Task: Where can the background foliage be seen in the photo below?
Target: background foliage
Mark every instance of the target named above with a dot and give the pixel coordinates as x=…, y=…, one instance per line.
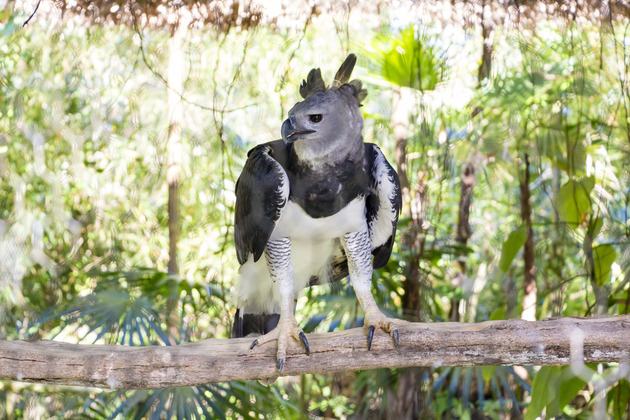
x=84, y=221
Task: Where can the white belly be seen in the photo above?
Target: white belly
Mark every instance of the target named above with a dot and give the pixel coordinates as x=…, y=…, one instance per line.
x=313, y=243
x=256, y=292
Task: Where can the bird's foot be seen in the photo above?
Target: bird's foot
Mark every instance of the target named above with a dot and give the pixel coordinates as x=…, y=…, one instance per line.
x=286, y=328
x=376, y=319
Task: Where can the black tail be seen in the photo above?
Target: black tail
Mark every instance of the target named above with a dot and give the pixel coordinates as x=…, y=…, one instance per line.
x=253, y=324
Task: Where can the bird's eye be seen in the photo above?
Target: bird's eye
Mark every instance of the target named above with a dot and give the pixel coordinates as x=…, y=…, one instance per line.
x=315, y=118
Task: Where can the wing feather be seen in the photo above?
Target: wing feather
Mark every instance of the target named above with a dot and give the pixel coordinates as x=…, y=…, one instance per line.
x=262, y=191
x=383, y=204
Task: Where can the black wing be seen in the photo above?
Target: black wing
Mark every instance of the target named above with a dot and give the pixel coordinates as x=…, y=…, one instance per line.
x=383, y=204
x=262, y=191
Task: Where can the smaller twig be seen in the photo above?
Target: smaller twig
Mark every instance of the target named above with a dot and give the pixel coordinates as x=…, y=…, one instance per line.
x=33, y=14
x=169, y=87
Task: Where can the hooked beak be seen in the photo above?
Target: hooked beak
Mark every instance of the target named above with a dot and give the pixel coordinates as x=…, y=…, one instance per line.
x=290, y=133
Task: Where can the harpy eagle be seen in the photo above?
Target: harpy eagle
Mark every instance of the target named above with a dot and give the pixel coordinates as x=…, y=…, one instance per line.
x=312, y=208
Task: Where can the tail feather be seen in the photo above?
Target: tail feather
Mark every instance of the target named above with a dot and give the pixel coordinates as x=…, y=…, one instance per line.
x=258, y=324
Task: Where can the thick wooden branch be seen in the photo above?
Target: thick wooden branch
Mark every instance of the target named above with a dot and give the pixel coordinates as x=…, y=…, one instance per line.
x=558, y=341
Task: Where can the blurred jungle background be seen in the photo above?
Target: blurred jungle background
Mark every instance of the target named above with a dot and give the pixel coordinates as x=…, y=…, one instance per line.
x=124, y=126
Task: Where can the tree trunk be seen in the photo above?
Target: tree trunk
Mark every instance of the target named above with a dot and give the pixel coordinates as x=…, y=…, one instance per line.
x=468, y=180
x=406, y=396
x=174, y=143
x=487, y=29
x=411, y=208
x=601, y=293
x=400, y=124
x=404, y=404
x=529, y=294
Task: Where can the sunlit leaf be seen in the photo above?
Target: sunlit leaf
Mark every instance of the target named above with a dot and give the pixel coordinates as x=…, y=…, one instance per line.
x=595, y=226
x=514, y=242
x=574, y=203
x=408, y=60
x=569, y=388
x=552, y=389
x=603, y=257
x=544, y=390
x=497, y=314
x=488, y=371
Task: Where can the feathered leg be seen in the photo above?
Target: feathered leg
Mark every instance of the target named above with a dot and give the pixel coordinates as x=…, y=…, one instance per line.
x=358, y=246
x=278, y=255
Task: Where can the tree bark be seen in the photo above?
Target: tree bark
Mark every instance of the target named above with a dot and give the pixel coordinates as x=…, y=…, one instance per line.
x=529, y=286
x=557, y=341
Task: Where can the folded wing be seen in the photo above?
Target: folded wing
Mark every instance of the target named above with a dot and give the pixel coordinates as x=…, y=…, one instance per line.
x=262, y=191
x=383, y=204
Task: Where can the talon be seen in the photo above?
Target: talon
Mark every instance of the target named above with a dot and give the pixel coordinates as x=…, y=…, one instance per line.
x=305, y=343
x=370, y=336
x=396, y=338
x=280, y=365
x=253, y=344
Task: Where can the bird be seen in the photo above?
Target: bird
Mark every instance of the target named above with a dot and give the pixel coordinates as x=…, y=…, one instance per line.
x=312, y=208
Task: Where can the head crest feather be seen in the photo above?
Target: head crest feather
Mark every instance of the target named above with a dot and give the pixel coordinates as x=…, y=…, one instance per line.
x=314, y=82
x=345, y=71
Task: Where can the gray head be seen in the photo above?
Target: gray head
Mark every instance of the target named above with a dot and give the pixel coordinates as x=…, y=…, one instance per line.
x=326, y=126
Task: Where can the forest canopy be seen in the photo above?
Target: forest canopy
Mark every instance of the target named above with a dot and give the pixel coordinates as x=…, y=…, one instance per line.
x=125, y=124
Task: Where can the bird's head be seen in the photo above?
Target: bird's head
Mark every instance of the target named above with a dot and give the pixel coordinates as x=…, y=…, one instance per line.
x=327, y=124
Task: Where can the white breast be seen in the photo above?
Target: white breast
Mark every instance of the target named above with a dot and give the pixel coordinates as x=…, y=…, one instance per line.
x=295, y=223
x=313, y=243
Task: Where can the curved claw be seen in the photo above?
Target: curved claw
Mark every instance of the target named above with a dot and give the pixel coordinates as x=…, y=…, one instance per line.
x=395, y=334
x=253, y=344
x=370, y=336
x=280, y=365
x=305, y=342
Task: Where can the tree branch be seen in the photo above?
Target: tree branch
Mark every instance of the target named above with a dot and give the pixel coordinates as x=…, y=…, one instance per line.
x=511, y=342
x=32, y=14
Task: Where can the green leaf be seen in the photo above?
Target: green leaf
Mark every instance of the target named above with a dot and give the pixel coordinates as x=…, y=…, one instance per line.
x=11, y=26
x=498, y=313
x=552, y=389
x=595, y=226
x=603, y=257
x=410, y=62
x=487, y=372
x=618, y=398
x=515, y=241
x=544, y=389
x=588, y=183
x=574, y=203
x=568, y=388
